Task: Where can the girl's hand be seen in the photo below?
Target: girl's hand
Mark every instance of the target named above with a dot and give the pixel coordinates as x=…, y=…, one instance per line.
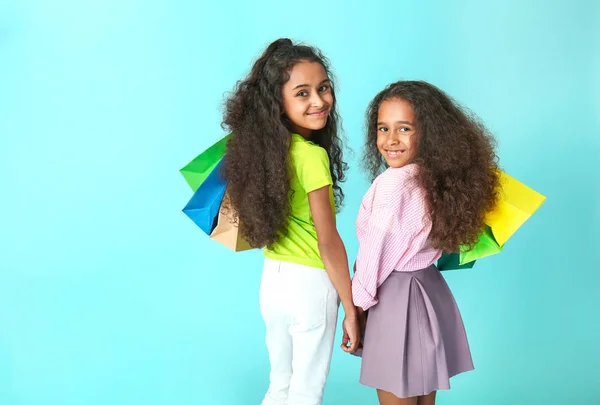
x=351, y=337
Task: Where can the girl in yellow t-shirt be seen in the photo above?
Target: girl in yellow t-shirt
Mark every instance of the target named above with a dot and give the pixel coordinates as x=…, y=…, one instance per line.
x=283, y=168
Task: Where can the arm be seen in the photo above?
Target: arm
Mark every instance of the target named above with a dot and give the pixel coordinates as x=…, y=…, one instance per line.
x=373, y=263
x=392, y=235
x=316, y=181
x=331, y=247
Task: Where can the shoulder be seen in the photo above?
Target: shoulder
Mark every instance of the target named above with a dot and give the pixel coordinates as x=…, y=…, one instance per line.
x=307, y=148
x=304, y=152
x=397, y=181
x=398, y=189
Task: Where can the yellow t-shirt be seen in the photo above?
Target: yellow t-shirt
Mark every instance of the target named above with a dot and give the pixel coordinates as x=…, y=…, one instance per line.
x=310, y=172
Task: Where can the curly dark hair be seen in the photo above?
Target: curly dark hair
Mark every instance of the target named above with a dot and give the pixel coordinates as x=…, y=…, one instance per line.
x=455, y=153
x=257, y=163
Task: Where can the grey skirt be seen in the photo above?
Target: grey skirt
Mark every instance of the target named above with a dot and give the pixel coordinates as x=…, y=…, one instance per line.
x=415, y=339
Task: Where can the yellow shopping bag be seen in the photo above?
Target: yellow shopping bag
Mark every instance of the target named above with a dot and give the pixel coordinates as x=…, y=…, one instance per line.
x=516, y=204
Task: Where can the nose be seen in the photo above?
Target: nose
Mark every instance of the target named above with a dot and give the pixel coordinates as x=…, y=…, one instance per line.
x=393, y=138
x=316, y=100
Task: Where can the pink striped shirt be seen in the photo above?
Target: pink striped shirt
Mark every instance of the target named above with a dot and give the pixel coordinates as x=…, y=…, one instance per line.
x=393, y=228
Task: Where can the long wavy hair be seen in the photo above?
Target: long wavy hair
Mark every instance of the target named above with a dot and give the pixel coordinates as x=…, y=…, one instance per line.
x=257, y=163
x=455, y=153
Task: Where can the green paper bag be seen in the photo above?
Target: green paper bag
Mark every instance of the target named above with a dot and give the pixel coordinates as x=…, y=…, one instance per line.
x=198, y=169
x=451, y=261
x=486, y=246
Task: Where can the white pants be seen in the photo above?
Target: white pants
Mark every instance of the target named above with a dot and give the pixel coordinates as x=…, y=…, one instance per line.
x=300, y=306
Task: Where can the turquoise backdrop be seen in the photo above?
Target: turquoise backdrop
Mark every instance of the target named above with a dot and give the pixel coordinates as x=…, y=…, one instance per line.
x=109, y=294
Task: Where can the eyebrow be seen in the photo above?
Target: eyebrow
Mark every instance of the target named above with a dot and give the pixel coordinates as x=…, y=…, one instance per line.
x=397, y=122
x=306, y=85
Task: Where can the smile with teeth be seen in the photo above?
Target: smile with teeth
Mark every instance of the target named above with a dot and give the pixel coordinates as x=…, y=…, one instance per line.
x=394, y=153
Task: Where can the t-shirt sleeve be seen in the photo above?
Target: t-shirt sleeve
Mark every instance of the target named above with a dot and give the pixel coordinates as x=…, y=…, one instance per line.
x=312, y=168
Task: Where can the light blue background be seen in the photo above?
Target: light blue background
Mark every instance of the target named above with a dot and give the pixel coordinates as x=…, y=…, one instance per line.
x=110, y=295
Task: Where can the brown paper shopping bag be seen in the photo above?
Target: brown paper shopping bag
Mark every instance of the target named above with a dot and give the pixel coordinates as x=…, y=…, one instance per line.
x=227, y=231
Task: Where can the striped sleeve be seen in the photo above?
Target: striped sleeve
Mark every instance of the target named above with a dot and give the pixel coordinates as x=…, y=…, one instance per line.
x=394, y=235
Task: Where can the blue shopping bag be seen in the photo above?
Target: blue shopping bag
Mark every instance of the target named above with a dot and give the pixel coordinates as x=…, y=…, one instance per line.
x=203, y=208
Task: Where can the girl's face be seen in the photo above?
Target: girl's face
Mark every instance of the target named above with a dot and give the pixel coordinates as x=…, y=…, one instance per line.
x=396, y=138
x=307, y=98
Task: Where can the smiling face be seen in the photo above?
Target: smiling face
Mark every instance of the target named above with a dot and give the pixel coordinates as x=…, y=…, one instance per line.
x=307, y=98
x=396, y=138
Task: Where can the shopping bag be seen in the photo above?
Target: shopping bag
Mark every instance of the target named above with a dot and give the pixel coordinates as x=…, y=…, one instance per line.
x=227, y=231
x=451, y=261
x=204, y=206
x=516, y=204
x=198, y=170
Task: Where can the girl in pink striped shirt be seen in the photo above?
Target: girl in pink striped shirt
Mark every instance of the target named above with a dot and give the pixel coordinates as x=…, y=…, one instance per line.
x=439, y=182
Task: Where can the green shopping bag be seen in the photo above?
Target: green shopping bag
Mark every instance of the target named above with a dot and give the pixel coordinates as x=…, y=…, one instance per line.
x=198, y=169
x=451, y=261
x=486, y=246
